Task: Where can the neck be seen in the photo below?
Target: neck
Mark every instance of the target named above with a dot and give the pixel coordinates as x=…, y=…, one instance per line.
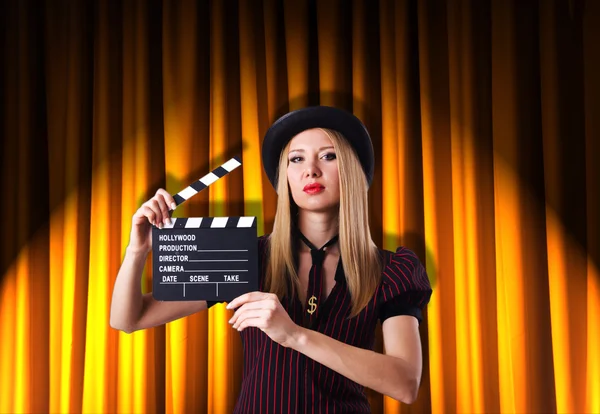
x=318, y=227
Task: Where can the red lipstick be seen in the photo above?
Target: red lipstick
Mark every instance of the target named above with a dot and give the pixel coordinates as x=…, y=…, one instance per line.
x=313, y=188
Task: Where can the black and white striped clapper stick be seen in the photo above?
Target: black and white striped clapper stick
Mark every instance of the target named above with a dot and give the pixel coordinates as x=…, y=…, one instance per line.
x=205, y=258
x=207, y=180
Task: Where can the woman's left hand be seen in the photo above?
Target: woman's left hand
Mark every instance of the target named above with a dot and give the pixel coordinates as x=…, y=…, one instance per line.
x=263, y=311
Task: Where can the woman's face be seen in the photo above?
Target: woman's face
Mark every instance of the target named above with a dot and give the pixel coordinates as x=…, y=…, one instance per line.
x=312, y=171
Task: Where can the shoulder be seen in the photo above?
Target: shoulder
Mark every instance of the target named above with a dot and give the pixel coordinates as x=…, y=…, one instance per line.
x=403, y=272
x=263, y=242
x=402, y=259
x=263, y=248
x=404, y=288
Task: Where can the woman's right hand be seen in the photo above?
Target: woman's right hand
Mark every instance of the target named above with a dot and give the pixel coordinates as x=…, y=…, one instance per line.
x=153, y=212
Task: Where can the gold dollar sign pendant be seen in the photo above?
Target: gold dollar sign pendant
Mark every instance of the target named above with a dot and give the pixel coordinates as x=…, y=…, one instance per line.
x=313, y=305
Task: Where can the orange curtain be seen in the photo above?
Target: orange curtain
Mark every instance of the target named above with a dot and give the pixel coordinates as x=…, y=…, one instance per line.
x=485, y=117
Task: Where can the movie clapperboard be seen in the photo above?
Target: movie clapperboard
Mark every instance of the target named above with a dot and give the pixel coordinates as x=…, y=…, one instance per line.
x=205, y=258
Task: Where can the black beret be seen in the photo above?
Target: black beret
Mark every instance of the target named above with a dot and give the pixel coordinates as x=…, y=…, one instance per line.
x=293, y=123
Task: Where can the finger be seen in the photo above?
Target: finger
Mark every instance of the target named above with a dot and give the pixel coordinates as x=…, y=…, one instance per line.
x=247, y=297
x=140, y=214
x=252, y=322
x=164, y=209
x=251, y=314
x=147, y=212
x=240, y=300
x=261, y=304
x=168, y=198
x=155, y=206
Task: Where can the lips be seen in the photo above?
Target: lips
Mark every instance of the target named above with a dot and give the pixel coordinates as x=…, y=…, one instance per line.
x=313, y=188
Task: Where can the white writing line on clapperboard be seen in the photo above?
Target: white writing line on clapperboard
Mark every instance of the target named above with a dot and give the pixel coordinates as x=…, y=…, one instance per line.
x=223, y=260
x=217, y=270
x=242, y=250
x=181, y=269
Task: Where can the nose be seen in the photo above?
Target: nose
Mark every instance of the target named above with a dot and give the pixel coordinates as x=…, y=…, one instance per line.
x=312, y=170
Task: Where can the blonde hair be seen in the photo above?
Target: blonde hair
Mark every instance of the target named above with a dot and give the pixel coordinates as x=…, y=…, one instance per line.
x=359, y=254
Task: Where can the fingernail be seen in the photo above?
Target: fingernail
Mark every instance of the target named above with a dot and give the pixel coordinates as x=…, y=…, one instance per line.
x=168, y=220
x=160, y=225
x=228, y=306
x=173, y=206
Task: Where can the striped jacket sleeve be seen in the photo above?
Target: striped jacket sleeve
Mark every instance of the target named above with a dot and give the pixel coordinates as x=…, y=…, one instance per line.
x=405, y=287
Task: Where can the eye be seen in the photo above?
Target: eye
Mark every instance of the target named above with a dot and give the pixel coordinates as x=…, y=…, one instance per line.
x=329, y=156
x=295, y=159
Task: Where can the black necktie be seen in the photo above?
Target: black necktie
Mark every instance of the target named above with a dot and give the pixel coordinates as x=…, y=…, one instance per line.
x=315, y=283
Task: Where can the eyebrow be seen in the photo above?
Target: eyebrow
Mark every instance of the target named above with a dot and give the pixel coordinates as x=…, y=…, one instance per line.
x=301, y=150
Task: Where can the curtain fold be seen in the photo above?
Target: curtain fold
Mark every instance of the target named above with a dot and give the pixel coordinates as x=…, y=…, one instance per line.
x=485, y=123
x=591, y=66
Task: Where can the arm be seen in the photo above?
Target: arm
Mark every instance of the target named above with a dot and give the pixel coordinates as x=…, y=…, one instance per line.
x=130, y=310
x=396, y=373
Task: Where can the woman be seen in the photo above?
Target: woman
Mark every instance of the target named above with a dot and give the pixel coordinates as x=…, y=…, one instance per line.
x=309, y=330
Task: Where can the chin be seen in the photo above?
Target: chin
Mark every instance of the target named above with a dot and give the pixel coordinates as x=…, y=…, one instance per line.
x=315, y=203
x=319, y=207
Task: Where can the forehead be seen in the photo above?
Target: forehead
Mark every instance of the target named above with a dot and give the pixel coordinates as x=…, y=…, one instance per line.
x=311, y=138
